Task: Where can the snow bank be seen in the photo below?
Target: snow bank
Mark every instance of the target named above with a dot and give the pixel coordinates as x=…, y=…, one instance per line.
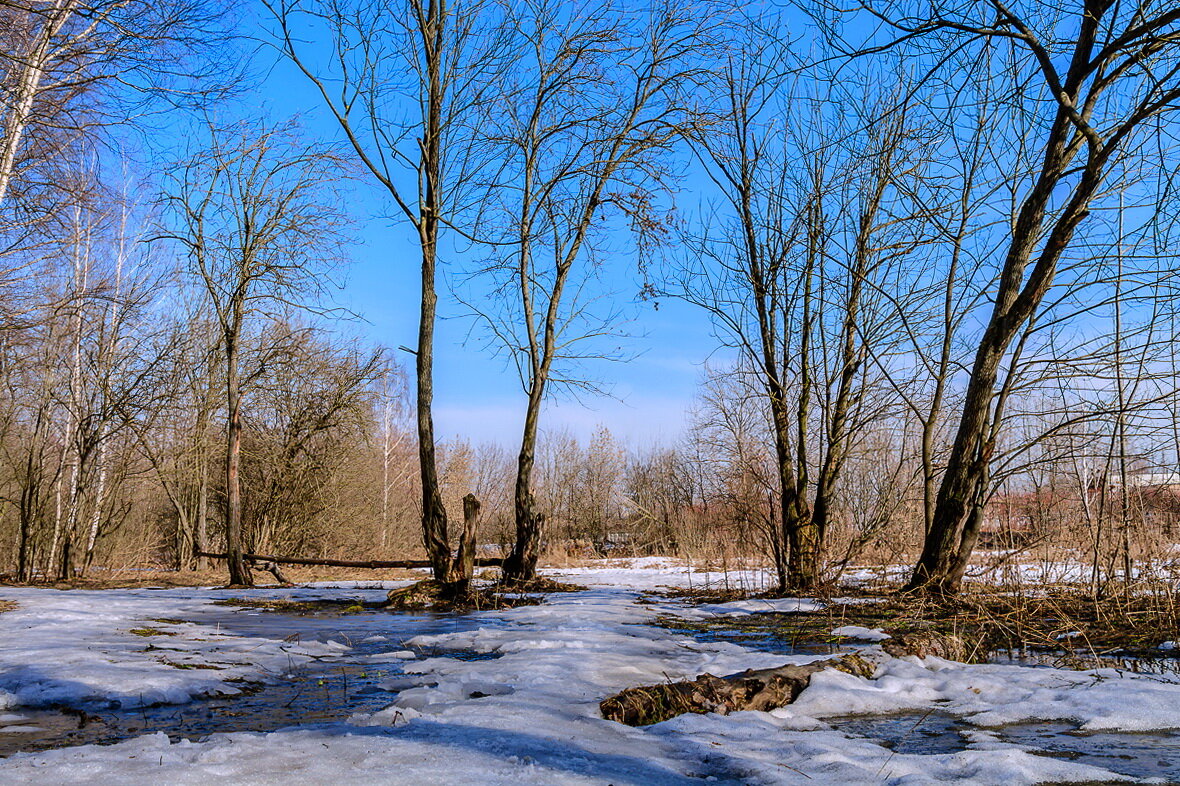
x=997, y=695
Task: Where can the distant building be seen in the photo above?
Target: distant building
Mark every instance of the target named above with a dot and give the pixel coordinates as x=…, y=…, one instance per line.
x=1145, y=480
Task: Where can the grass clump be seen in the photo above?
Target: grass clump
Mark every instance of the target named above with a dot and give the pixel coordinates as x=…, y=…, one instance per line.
x=149, y=631
x=299, y=607
x=1061, y=625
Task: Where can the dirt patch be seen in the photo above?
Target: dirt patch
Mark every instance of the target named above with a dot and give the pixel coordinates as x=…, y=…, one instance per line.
x=187, y=666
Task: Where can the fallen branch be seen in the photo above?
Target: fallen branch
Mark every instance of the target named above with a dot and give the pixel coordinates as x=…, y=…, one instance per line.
x=373, y=564
x=274, y=571
x=762, y=689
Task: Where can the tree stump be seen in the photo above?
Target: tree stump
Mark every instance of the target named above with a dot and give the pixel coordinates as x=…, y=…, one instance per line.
x=464, y=564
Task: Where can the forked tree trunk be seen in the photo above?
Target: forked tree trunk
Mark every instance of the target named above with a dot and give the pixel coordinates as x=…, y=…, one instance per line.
x=1043, y=230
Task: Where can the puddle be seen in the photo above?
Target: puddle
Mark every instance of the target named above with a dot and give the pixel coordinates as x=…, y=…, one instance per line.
x=1141, y=754
x=1138, y=754
x=766, y=641
x=316, y=692
x=926, y=733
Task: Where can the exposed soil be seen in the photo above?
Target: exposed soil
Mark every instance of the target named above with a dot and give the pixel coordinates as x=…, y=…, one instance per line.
x=318, y=606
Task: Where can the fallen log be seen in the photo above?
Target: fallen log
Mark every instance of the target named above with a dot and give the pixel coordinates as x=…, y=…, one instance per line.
x=762, y=689
x=374, y=564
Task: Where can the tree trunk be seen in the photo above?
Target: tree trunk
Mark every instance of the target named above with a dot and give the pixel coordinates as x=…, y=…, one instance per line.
x=803, y=541
x=239, y=571
x=99, y=503
x=964, y=471
x=521, y=564
x=434, y=514
x=202, y=527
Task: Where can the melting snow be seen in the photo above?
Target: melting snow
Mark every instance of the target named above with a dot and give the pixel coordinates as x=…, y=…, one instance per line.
x=531, y=715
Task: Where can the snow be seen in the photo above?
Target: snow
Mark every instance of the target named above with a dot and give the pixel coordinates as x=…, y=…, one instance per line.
x=530, y=714
x=658, y=573
x=77, y=647
x=996, y=695
x=739, y=608
x=861, y=634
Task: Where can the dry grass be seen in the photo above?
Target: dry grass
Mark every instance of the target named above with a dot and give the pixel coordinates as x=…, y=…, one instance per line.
x=299, y=607
x=1062, y=620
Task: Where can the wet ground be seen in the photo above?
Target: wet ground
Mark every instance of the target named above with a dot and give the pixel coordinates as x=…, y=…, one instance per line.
x=1153, y=755
x=317, y=692
x=1138, y=754
x=331, y=690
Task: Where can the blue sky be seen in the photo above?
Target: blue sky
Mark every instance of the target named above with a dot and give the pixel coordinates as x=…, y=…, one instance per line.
x=477, y=396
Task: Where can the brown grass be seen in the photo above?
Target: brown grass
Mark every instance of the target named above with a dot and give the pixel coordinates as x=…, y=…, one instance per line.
x=1063, y=621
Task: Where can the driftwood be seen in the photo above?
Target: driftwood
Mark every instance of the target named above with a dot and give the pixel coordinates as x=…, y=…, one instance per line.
x=762, y=689
x=374, y=564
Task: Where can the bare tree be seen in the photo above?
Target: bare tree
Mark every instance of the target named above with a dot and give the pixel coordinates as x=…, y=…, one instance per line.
x=405, y=81
x=595, y=101
x=258, y=218
x=811, y=229
x=70, y=68
x=313, y=396
x=1094, y=84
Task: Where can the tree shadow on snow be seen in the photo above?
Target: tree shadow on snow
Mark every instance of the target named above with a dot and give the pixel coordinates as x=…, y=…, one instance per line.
x=548, y=752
